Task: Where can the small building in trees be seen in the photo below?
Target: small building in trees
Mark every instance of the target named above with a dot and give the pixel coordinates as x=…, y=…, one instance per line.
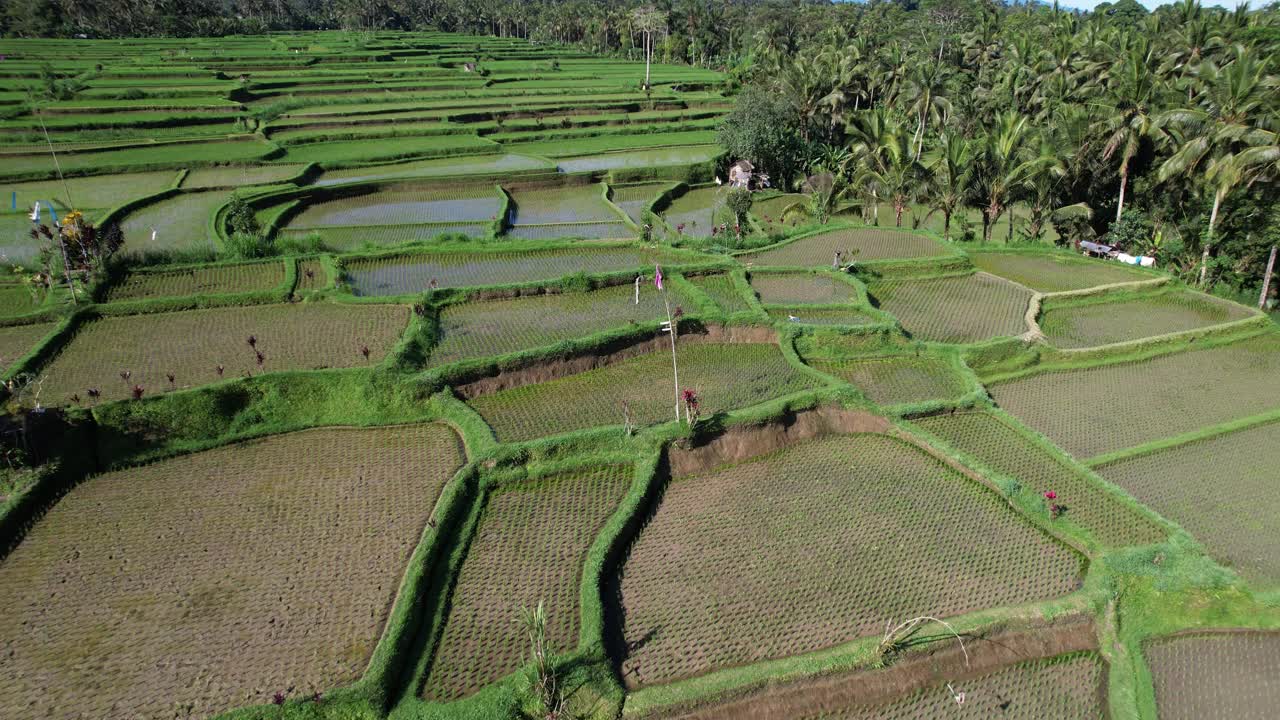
x=740, y=174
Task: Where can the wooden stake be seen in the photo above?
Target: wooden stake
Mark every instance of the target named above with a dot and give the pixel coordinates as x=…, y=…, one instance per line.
x=1266, y=279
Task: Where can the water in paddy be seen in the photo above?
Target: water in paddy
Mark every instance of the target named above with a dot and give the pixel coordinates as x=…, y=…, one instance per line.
x=426, y=168
x=392, y=207
x=634, y=199
x=575, y=203
x=695, y=210
x=16, y=244
x=640, y=158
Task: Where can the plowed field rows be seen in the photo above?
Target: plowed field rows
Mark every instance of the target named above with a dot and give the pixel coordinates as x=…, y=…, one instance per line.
x=964, y=309
x=816, y=545
x=1222, y=490
x=1114, y=322
x=634, y=200
x=824, y=316
x=1103, y=409
x=404, y=205
x=722, y=291
x=1048, y=273
x=989, y=440
x=896, y=381
x=574, y=203
x=192, y=344
x=398, y=275
x=855, y=244
x=233, y=176
x=725, y=376
x=497, y=327
x=536, y=531
x=312, y=275
x=802, y=288
x=199, y=281
x=1216, y=676
x=18, y=340
x=210, y=581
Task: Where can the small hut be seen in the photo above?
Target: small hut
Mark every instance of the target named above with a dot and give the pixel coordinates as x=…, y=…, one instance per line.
x=469, y=67
x=740, y=174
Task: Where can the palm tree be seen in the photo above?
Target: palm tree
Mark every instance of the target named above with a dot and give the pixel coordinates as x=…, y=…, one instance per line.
x=885, y=163
x=927, y=101
x=1128, y=117
x=1210, y=138
x=950, y=169
x=1002, y=167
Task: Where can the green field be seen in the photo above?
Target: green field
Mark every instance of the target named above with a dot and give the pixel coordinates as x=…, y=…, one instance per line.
x=381, y=365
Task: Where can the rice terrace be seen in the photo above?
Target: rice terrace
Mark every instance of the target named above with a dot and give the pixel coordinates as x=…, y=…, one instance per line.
x=615, y=360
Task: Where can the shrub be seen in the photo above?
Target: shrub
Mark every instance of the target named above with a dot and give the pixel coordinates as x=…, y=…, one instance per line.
x=240, y=217
x=245, y=246
x=739, y=201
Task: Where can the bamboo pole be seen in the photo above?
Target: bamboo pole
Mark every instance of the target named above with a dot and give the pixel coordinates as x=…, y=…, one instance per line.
x=1266, y=279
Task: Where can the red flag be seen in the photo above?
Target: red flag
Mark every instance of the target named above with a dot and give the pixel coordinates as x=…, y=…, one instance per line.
x=657, y=276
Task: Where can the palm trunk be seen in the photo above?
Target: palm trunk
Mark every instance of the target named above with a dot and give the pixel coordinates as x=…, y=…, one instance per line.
x=1208, y=240
x=1124, y=180
x=986, y=227
x=946, y=225
x=1009, y=237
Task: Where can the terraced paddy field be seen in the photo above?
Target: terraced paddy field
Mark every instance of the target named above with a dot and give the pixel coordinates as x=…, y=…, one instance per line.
x=88, y=192
x=963, y=309
x=1216, y=675
x=723, y=292
x=175, y=223
x=405, y=274
x=18, y=340
x=1221, y=489
x=802, y=288
x=232, y=176
x=635, y=200
x=854, y=245
x=18, y=300
x=194, y=344
x=353, y=238
x=1054, y=273
x=1104, y=409
x=899, y=380
x=497, y=327
x=1069, y=686
x=1104, y=323
x=823, y=316
x=1001, y=449
x=725, y=376
x=571, y=204
x=402, y=205
x=213, y=580
x=478, y=165
x=727, y=573
x=196, y=280
x=694, y=213
x=639, y=158
x=548, y=524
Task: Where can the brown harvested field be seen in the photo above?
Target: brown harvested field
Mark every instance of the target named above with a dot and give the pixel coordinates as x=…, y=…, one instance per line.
x=989, y=440
x=210, y=581
x=244, y=277
x=1103, y=409
x=898, y=380
x=816, y=545
x=1216, y=676
x=1222, y=490
x=802, y=288
x=530, y=548
x=1104, y=323
x=1054, y=273
x=18, y=340
x=855, y=245
x=964, y=309
x=192, y=344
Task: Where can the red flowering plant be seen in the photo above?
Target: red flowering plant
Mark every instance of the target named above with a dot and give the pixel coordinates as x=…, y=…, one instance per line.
x=691, y=408
x=1055, y=510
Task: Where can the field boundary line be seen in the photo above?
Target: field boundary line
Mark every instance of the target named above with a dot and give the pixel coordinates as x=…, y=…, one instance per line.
x=1177, y=441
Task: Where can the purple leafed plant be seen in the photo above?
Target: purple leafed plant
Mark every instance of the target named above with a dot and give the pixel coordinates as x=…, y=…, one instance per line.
x=137, y=392
x=253, y=341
